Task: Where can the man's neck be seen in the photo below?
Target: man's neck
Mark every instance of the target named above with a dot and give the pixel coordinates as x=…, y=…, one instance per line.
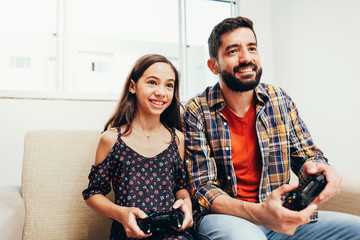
x=238, y=102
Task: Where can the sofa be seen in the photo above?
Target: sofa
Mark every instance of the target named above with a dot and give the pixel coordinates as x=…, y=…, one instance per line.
x=49, y=204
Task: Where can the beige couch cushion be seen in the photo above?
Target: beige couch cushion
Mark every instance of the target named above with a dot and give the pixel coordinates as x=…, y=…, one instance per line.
x=55, y=170
x=12, y=213
x=348, y=199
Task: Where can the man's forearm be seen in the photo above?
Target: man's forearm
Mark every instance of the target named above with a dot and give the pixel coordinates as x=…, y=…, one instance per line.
x=225, y=204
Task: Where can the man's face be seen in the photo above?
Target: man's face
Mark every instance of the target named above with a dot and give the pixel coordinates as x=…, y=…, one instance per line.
x=238, y=60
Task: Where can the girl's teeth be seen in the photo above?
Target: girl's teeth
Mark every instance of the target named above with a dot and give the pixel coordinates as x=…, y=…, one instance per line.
x=156, y=102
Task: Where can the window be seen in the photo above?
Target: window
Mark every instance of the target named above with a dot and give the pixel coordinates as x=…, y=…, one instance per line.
x=110, y=35
x=201, y=17
x=88, y=46
x=28, y=45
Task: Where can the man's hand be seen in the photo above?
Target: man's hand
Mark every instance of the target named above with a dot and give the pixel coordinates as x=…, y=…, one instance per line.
x=333, y=178
x=272, y=215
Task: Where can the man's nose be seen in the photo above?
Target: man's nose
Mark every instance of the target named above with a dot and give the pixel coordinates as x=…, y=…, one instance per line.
x=244, y=56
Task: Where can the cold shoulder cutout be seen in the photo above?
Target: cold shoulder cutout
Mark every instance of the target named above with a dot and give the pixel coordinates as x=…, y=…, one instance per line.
x=106, y=143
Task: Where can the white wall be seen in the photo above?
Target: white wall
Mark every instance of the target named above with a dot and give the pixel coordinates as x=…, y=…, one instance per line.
x=316, y=60
x=19, y=116
x=259, y=12
x=311, y=49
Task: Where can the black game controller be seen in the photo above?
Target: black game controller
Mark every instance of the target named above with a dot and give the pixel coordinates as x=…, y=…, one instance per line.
x=161, y=220
x=300, y=198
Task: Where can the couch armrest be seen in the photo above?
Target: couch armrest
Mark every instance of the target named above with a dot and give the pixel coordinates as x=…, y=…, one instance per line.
x=347, y=200
x=12, y=213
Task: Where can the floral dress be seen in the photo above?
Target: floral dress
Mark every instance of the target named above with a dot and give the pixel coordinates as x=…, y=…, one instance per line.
x=146, y=183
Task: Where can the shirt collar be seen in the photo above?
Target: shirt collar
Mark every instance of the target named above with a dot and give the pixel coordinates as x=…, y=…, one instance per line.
x=261, y=93
x=216, y=97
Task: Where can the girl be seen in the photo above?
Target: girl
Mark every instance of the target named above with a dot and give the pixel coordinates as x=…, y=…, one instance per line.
x=141, y=153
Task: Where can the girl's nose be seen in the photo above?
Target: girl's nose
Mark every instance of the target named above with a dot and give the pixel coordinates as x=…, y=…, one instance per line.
x=160, y=91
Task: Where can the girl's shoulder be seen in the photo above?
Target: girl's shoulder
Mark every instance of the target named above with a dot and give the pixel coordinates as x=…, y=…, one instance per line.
x=179, y=136
x=180, y=142
x=110, y=136
x=106, y=143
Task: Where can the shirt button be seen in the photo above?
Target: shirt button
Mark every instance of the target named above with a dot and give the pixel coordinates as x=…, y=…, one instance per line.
x=229, y=178
x=225, y=123
x=227, y=148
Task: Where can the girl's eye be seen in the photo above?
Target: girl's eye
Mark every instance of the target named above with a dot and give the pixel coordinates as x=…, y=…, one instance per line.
x=170, y=85
x=152, y=82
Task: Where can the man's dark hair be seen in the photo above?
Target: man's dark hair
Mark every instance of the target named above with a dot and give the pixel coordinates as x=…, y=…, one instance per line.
x=227, y=25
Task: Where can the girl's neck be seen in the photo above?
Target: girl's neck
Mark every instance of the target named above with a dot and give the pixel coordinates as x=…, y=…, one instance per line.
x=147, y=124
x=148, y=136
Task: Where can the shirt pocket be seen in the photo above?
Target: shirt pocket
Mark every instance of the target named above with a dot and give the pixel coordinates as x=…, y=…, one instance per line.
x=278, y=144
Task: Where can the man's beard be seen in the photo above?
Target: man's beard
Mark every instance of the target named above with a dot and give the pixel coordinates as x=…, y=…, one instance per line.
x=238, y=85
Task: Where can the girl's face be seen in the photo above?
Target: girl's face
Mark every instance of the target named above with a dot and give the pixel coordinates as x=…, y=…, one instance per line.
x=155, y=89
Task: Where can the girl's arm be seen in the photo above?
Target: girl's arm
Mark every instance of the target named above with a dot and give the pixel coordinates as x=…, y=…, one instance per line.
x=183, y=200
x=180, y=141
x=101, y=204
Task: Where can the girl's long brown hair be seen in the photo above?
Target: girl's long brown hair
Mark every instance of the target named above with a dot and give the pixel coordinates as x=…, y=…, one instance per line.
x=126, y=108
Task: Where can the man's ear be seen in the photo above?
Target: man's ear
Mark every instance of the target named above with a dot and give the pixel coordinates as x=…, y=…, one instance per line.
x=212, y=65
x=132, y=87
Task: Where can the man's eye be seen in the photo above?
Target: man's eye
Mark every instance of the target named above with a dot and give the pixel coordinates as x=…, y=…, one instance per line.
x=232, y=51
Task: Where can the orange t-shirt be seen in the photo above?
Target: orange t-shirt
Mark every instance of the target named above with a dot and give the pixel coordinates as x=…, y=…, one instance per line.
x=246, y=156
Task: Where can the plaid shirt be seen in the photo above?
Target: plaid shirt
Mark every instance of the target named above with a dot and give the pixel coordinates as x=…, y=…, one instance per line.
x=283, y=138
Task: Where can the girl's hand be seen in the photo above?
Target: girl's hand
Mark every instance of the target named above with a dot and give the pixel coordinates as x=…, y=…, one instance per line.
x=127, y=217
x=188, y=218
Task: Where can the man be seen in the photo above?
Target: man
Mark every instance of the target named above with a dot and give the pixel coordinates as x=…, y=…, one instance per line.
x=242, y=139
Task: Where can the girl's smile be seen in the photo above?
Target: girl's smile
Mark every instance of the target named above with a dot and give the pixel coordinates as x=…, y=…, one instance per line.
x=155, y=89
